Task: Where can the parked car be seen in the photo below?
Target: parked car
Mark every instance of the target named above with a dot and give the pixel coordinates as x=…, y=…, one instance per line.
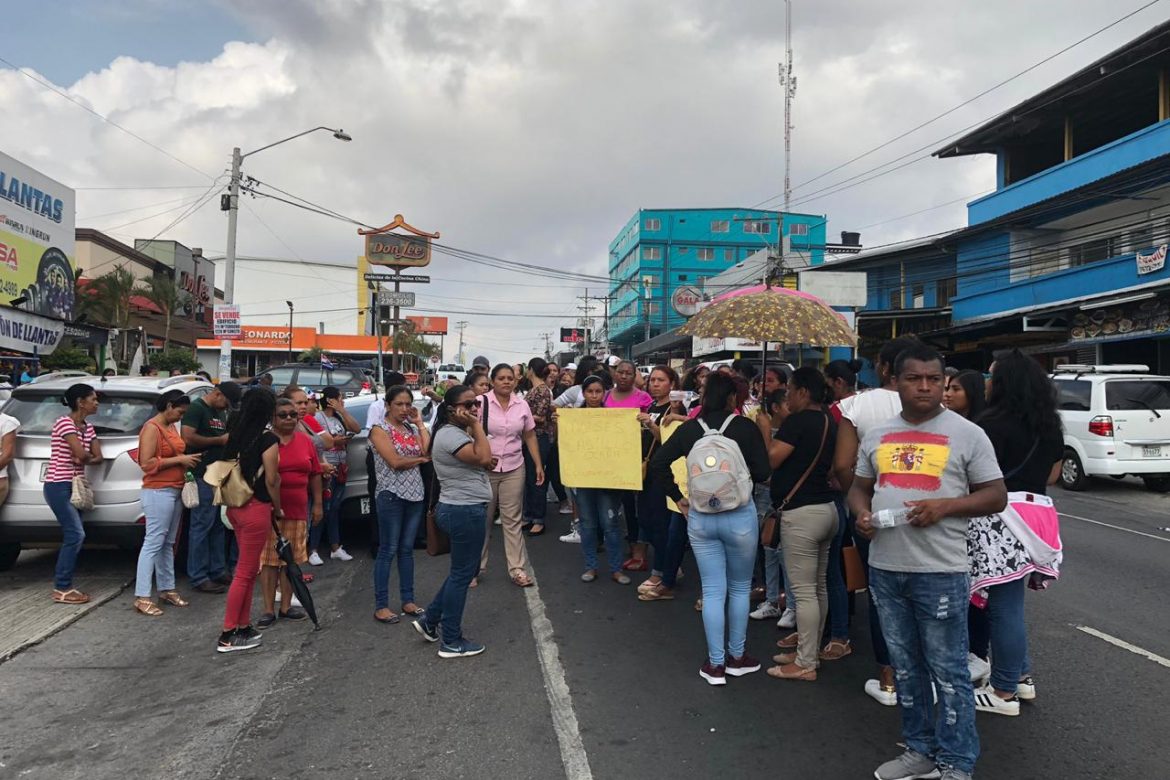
x=117, y=518
x=1116, y=422
x=350, y=380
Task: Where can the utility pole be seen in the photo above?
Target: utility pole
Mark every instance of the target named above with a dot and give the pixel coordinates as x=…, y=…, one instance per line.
x=588, y=322
x=460, y=357
x=788, y=82
x=547, y=345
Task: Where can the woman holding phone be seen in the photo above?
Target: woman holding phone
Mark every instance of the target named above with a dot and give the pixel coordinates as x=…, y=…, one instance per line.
x=341, y=426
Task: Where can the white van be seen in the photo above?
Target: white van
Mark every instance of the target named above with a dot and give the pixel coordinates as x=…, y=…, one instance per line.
x=1116, y=422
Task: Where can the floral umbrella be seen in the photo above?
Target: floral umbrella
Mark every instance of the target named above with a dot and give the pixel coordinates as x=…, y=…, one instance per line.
x=772, y=314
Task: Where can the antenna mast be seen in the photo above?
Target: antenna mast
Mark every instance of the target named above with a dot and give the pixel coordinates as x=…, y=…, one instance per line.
x=788, y=82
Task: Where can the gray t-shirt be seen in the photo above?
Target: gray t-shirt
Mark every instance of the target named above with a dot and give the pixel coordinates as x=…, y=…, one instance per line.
x=941, y=458
x=460, y=483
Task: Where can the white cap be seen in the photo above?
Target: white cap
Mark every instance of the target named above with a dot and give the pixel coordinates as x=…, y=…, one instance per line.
x=612, y=360
x=571, y=367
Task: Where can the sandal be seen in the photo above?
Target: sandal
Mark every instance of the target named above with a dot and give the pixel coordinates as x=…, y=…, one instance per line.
x=789, y=642
x=657, y=593
x=71, y=596
x=649, y=585
x=533, y=532
x=388, y=620
x=147, y=607
x=521, y=579
x=306, y=578
x=416, y=612
x=173, y=598
x=836, y=650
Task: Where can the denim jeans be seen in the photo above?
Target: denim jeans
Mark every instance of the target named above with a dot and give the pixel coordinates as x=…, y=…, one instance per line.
x=1000, y=626
x=164, y=511
x=629, y=503
x=835, y=579
x=552, y=473
x=330, y=525
x=924, y=617
x=397, y=526
x=881, y=653
x=725, y=551
x=598, y=510
x=676, y=549
x=465, y=525
x=654, y=522
x=536, y=496
x=57, y=495
x=205, y=545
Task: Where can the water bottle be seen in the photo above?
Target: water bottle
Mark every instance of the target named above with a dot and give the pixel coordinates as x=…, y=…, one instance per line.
x=889, y=518
x=189, y=476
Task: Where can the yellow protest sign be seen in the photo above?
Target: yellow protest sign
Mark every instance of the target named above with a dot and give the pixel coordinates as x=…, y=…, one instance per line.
x=679, y=467
x=600, y=448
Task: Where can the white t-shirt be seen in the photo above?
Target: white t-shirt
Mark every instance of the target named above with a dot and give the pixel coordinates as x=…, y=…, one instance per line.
x=376, y=413
x=871, y=408
x=8, y=424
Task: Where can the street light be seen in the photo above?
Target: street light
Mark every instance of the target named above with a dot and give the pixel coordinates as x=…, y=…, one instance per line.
x=290, y=318
x=229, y=274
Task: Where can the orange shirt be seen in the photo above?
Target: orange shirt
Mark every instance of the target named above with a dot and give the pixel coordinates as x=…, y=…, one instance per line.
x=170, y=444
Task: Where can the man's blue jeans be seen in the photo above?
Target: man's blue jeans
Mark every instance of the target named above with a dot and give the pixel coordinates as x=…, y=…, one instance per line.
x=205, y=543
x=57, y=495
x=725, y=551
x=536, y=496
x=599, y=512
x=465, y=525
x=924, y=619
x=398, y=522
x=330, y=526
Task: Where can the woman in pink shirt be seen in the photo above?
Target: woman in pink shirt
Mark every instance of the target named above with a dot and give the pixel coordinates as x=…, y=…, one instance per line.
x=510, y=428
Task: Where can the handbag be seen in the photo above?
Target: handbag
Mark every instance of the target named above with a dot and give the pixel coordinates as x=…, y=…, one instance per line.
x=226, y=478
x=190, y=494
x=82, y=497
x=770, y=531
x=438, y=542
x=855, y=578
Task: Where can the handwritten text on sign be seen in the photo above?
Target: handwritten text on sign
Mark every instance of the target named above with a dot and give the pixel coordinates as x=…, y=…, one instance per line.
x=600, y=448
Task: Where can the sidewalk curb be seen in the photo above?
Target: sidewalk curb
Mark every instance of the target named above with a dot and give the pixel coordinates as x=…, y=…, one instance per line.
x=57, y=628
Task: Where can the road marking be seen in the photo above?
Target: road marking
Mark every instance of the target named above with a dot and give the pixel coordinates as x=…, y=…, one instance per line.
x=1125, y=645
x=560, y=701
x=1114, y=527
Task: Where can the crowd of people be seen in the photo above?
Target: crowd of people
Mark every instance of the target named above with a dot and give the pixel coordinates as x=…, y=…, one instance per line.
x=934, y=480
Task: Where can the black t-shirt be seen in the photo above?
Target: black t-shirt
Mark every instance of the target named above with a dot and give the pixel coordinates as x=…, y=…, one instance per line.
x=803, y=430
x=250, y=462
x=741, y=430
x=1013, y=443
x=656, y=412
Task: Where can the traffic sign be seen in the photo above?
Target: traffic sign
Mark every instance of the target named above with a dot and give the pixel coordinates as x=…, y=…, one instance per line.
x=226, y=319
x=391, y=298
x=417, y=278
x=396, y=322
x=375, y=277
x=435, y=360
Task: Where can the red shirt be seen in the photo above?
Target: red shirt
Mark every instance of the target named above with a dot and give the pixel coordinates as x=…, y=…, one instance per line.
x=298, y=462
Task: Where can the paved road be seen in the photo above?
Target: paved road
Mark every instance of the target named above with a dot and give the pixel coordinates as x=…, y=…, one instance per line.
x=119, y=695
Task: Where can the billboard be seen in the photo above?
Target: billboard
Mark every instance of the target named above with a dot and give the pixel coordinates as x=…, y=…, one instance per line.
x=574, y=335
x=398, y=251
x=37, y=217
x=428, y=326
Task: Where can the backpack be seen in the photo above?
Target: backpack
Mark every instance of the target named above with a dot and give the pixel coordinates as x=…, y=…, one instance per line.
x=718, y=479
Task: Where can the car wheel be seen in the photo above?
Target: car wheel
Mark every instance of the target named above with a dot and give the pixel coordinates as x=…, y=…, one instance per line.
x=1159, y=483
x=1072, y=473
x=9, y=552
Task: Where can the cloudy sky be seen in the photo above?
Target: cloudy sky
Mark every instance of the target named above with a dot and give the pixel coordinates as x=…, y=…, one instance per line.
x=528, y=131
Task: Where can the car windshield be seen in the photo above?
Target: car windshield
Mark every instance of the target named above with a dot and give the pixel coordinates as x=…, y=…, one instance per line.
x=1136, y=395
x=116, y=413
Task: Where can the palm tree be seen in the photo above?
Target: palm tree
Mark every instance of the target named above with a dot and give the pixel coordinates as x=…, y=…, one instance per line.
x=162, y=291
x=108, y=297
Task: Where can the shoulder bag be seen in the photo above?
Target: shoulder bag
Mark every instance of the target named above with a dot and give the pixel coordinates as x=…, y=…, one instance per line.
x=226, y=478
x=770, y=532
x=82, y=496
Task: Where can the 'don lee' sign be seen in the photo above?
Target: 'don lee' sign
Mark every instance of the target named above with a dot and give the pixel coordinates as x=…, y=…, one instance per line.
x=398, y=251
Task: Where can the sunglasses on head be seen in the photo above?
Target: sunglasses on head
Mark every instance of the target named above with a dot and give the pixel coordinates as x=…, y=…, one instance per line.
x=285, y=415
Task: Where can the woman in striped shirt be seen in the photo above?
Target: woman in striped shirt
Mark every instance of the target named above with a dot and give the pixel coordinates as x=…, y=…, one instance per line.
x=73, y=445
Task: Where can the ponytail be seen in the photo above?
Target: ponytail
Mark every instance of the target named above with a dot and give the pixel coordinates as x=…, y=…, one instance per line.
x=814, y=382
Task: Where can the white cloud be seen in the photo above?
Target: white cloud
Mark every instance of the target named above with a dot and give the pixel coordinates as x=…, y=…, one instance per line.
x=531, y=130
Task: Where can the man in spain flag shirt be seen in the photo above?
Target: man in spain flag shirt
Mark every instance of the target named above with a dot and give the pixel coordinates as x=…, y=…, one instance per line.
x=943, y=470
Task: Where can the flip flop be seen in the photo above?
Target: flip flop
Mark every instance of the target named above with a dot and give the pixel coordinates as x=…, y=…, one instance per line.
x=389, y=620
x=537, y=533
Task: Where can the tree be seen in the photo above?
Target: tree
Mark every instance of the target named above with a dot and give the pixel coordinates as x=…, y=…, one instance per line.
x=67, y=356
x=162, y=291
x=170, y=359
x=310, y=355
x=108, y=298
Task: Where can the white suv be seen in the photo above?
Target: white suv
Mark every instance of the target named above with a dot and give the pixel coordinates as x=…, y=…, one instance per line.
x=1116, y=422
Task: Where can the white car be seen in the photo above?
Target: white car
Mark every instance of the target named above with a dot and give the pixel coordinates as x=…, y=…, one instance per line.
x=1116, y=422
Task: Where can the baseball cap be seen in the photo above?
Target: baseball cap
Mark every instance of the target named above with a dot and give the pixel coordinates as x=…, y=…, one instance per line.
x=571, y=367
x=612, y=360
x=480, y=360
x=231, y=391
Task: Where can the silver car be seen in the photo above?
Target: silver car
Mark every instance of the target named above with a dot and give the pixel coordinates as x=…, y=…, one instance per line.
x=117, y=518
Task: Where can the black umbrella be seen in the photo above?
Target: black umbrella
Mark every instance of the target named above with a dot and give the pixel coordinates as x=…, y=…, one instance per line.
x=286, y=553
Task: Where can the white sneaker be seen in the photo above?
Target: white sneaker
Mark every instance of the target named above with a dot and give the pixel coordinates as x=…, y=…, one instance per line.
x=572, y=537
x=498, y=521
x=978, y=668
x=788, y=619
x=315, y=559
x=295, y=602
x=566, y=508
x=340, y=555
x=873, y=688
x=987, y=701
x=765, y=611
x=1026, y=689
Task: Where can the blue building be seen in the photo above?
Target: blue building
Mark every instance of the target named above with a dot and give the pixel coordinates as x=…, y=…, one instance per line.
x=1066, y=259
x=660, y=251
